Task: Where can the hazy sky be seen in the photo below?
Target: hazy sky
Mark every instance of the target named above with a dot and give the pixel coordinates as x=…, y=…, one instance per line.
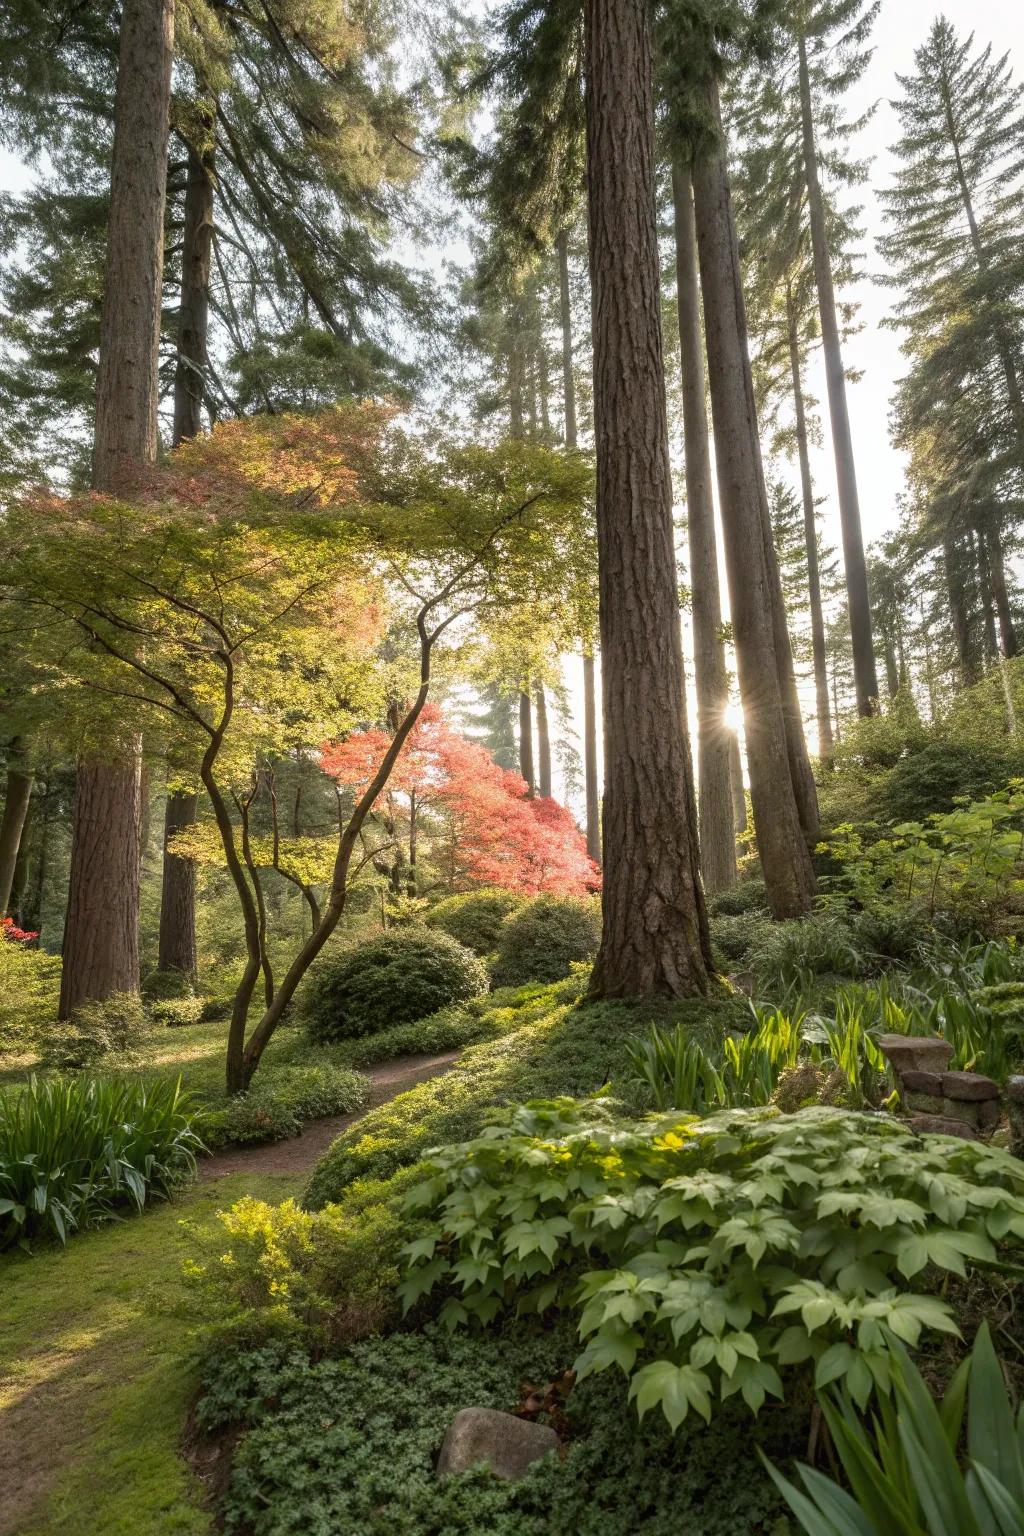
x=875, y=351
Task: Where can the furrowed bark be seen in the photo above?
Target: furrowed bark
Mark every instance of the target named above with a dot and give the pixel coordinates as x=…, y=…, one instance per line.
x=654, y=929
x=12, y=825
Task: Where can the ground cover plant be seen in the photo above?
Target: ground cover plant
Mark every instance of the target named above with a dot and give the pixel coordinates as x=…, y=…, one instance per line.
x=709, y=1258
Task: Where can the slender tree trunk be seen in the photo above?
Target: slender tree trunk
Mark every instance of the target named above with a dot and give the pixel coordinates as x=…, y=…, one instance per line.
x=892, y=676
x=516, y=378
x=988, y=611
x=543, y=743
x=782, y=844
x=970, y=671
x=412, y=885
x=823, y=715
x=590, y=758
x=654, y=931
x=177, y=944
x=101, y=939
x=593, y=796
x=714, y=804
x=12, y=825
x=526, y=742
x=739, y=791
x=865, y=679
x=997, y=567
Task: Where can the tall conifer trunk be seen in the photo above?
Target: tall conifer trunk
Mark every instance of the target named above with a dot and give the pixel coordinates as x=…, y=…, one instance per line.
x=753, y=577
x=654, y=928
x=714, y=804
x=526, y=767
x=543, y=743
x=101, y=930
x=177, y=943
x=997, y=567
x=593, y=797
x=823, y=714
x=865, y=678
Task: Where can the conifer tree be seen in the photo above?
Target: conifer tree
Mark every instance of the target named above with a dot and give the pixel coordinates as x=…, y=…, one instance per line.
x=955, y=212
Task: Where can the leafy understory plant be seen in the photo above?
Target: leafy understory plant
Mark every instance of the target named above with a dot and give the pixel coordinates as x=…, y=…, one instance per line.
x=703, y=1258
x=905, y=1474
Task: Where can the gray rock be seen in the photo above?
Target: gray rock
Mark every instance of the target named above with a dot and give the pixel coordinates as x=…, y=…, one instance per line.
x=916, y=1053
x=970, y=1087
x=938, y=1125
x=1015, y=1089
x=500, y=1441
x=989, y=1114
x=924, y=1103
x=929, y=1083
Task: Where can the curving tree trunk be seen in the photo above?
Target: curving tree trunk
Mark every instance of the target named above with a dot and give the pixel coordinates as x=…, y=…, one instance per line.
x=823, y=715
x=654, y=929
x=865, y=678
x=543, y=743
x=753, y=575
x=12, y=824
x=101, y=930
x=714, y=778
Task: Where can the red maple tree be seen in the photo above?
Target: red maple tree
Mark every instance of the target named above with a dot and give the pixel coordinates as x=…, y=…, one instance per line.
x=487, y=829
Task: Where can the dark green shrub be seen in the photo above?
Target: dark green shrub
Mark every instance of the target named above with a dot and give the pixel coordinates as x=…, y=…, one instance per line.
x=402, y=975
x=546, y=938
x=349, y=1446
x=475, y=918
x=281, y=1098
x=114, y=1030
x=449, y=1030
x=734, y=937
x=72, y=1151
x=747, y=895
x=928, y=782
x=161, y=986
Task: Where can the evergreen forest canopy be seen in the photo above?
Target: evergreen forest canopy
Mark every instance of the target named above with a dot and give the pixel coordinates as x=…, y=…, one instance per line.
x=438, y=615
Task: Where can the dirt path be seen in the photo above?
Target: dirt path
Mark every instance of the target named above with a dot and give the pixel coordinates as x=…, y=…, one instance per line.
x=301, y=1152
x=93, y=1394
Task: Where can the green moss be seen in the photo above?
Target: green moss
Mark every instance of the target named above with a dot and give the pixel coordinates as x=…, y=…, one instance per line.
x=549, y=1044
x=93, y=1391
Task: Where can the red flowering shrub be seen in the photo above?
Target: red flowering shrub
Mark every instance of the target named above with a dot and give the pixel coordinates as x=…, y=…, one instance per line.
x=13, y=934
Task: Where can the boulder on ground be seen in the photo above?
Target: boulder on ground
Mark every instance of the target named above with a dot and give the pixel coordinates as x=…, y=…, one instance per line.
x=483, y=1436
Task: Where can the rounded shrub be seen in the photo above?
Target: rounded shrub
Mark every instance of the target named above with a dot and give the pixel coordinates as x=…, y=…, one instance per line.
x=546, y=938
x=929, y=782
x=475, y=918
x=402, y=975
x=166, y=986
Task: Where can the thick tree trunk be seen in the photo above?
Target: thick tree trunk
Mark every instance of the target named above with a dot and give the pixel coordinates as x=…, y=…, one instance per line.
x=177, y=944
x=823, y=715
x=101, y=929
x=781, y=840
x=526, y=742
x=654, y=933
x=865, y=679
x=714, y=804
x=101, y=946
x=1000, y=594
x=590, y=780
x=543, y=743
x=12, y=825
x=178, y=897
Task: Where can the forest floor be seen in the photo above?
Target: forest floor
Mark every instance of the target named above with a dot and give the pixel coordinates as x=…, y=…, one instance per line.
x=94, y=1396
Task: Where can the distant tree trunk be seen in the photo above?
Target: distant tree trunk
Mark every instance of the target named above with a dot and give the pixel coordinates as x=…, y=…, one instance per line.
x=781, y=840
x=823, y=715
x=101, y=930
x=526, y=742
x=177, y=950
x=654, y=927
x=543, y=742
x=739, y=792
x=892, y=676
x=997, y=568
x=177, y=944
x=865, y=679
x=714, y=803
x=592, y=790
x=12, y=825
x=988, y=611
x=516, y=378
x=412, y=885
x=970, y=670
